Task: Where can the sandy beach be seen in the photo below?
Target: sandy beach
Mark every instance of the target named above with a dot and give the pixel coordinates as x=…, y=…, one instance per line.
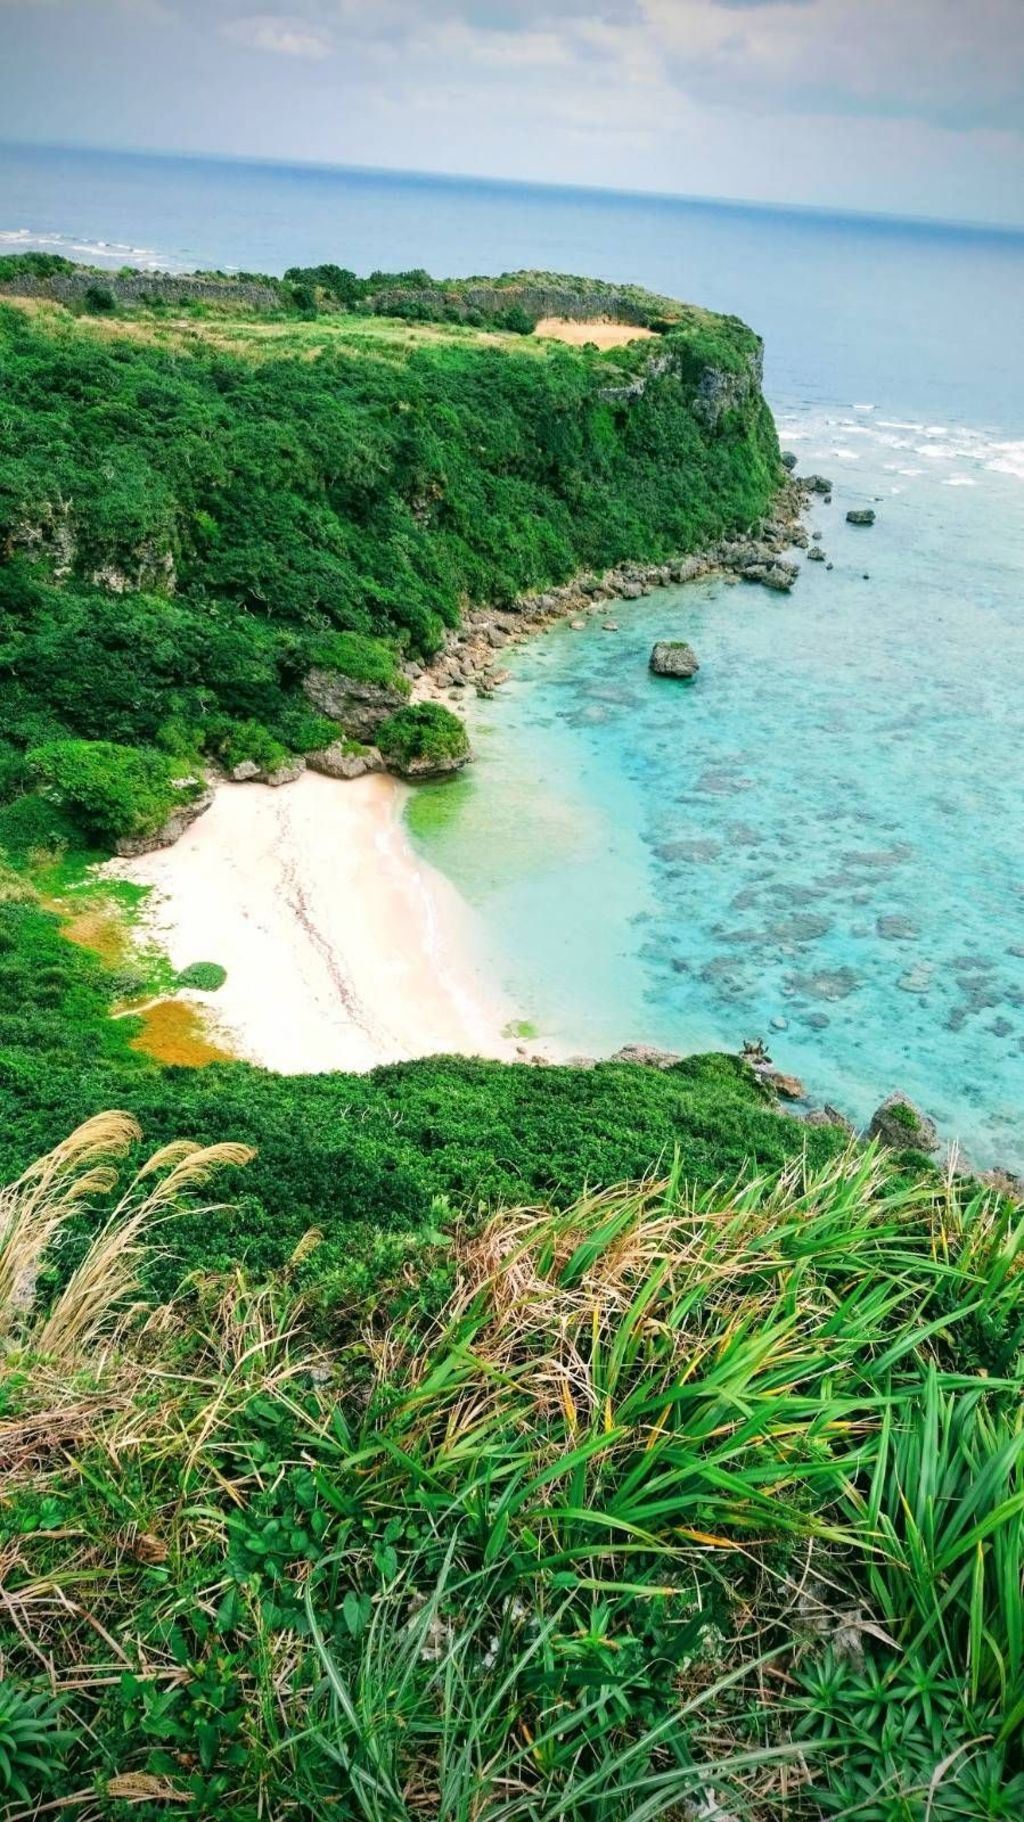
x=342, y=949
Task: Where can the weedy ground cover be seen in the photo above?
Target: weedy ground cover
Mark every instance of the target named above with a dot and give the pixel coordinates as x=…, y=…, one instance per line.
x=680, y=1502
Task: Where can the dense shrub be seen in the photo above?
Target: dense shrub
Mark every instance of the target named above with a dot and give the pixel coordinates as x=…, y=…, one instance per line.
x=204, y=976
x=426, y=734
x=367, y=660
x=109, y=790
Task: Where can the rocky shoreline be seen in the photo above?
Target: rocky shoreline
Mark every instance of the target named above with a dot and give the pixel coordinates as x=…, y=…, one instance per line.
x=471, y=656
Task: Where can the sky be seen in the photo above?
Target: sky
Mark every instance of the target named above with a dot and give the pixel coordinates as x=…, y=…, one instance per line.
x=900, y=106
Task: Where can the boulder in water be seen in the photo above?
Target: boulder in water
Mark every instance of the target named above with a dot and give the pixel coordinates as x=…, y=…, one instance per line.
x=900, y=1125
x=674, y=658
x=861, y=515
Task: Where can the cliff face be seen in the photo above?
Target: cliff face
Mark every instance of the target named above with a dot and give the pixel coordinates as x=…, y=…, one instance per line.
x=144, y=288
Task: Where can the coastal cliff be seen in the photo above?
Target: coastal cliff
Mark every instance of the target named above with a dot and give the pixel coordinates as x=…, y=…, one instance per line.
x=201, y=512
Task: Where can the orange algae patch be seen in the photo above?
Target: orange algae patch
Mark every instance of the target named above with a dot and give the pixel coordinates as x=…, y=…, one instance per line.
x=604, y=334
x=173, y=1032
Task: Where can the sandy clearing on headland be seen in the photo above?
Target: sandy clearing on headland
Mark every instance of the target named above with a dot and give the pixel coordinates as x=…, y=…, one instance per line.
x=343, y=950
x=604, y=335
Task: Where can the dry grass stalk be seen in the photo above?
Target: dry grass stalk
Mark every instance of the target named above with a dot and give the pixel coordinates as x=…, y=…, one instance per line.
x=36, y=1210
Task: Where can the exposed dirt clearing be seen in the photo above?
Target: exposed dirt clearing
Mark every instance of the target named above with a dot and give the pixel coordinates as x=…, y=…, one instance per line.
x=603, y=335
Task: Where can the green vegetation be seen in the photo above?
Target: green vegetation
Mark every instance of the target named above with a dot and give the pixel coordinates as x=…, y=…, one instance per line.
x=609, y=1506
x=363, y=1158
x=425, y=737
x=204, y=976
x=504, y=1443
x=191, y=518
x=109, y=791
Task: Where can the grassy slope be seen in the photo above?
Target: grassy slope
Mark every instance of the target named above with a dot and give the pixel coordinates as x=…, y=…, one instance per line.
x=681, y=1492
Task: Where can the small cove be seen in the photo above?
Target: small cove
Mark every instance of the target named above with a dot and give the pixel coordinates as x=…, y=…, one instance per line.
x=819, y=841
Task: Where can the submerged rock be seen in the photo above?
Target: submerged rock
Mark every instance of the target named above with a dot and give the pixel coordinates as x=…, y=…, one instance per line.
x=902, y=1126
x=894, y=928
x=831, y=1116
x=674, y=658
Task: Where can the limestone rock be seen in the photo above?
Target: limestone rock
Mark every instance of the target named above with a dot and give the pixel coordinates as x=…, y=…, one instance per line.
x=861, y=515
x=789, y=459
x=421, y=766
x=359, y=707
x=815, y=554
x=830, y=1116
x=674, y=658
x=286, y=773
x=340, y=761
x=244, y=772
x=179, y=820
x=646, y=1055
x=787, y=1087
x=781, y=577
x=815, y=483
x=902, y=1126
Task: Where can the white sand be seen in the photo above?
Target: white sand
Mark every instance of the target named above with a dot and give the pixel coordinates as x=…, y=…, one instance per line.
x=342, y=949
x=602, y=334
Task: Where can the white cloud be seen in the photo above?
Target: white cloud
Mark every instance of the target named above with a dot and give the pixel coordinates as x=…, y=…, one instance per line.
x=284, y=37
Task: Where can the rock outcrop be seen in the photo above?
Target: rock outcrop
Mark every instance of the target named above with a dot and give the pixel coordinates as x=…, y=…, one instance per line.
x=359, y=707
x=900, y=1125
x=248, y=771
x=340, y=760
x=130, y=846
x=861, y=515
x=674, y=658
x=647, y=1055
x=424, y=765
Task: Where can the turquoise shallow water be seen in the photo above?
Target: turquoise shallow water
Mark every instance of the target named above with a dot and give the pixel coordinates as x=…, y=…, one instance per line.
x=819, y=841
x=822, y=840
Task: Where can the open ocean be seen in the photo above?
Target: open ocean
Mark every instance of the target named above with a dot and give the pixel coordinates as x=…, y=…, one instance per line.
x=822, y=841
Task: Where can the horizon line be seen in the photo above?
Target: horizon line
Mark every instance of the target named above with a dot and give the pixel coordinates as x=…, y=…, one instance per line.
x=705, y=199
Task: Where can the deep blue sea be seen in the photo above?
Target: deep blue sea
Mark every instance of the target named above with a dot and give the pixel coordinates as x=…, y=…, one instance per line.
x=822, y=840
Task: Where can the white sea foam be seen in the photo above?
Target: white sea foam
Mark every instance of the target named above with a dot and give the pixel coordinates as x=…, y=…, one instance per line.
x=959, y=480
x=96, y=252
x=1008, y=459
